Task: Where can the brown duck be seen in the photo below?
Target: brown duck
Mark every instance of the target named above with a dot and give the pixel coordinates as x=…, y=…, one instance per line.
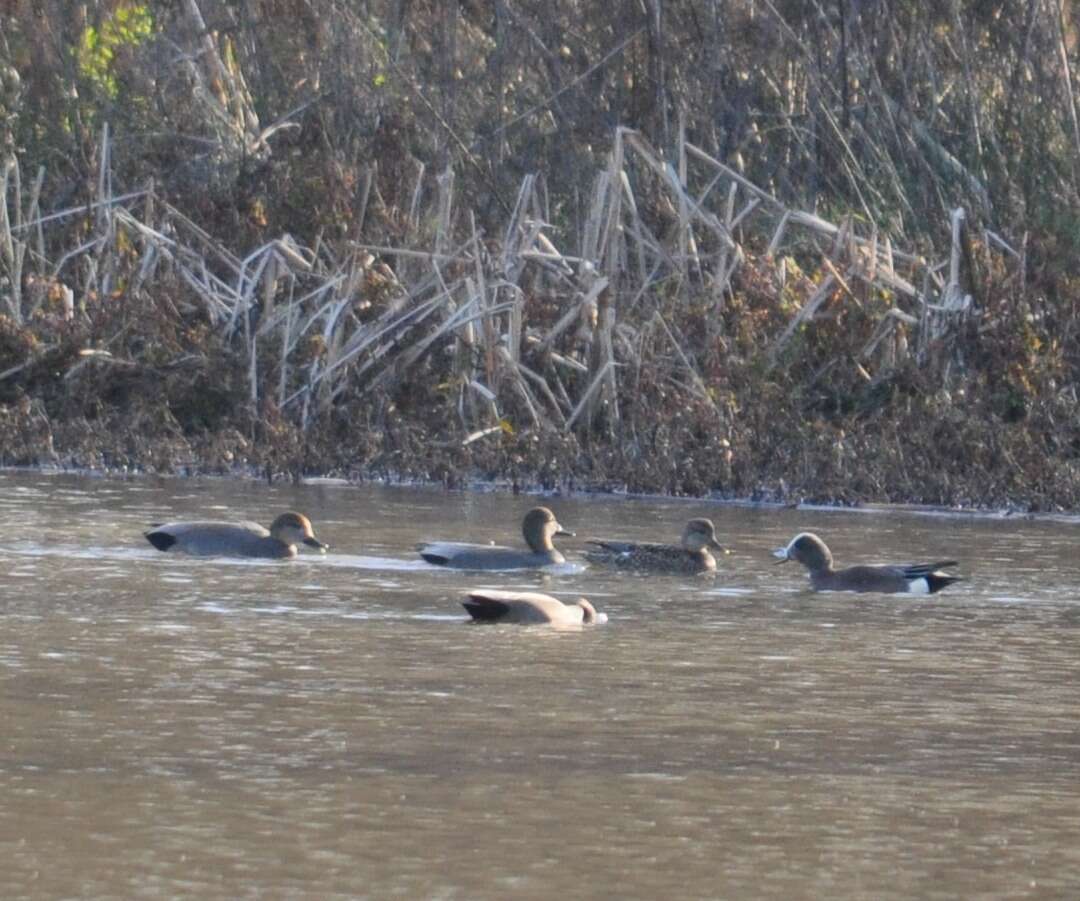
x=691, y=556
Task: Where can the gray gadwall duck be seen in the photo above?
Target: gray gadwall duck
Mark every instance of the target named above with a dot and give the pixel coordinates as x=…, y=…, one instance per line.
x=538, y=527
x=691, y=556
x=236, y=539
x=529, y=607
x=915, y=578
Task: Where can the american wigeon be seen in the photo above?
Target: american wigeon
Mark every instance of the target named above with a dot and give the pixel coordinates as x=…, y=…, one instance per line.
x=538, y=527
x=691, y=556
x=916, y=578
x=529, y=607
x=236, y=539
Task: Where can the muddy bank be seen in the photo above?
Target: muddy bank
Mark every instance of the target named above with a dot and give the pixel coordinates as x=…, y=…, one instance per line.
x=758, y=351
x=114, y=388
x=793, y=385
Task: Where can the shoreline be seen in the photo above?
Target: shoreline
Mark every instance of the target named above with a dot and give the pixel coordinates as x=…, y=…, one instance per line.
x=479, y=486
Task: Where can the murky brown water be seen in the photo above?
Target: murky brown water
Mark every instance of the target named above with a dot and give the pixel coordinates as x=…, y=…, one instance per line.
x=331, y=727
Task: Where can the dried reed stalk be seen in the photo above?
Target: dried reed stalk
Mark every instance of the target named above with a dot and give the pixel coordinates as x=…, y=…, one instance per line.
x=376, y=311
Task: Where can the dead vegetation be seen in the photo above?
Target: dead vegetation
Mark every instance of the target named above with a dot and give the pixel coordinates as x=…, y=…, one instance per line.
x=664, y=317
x=734, y=345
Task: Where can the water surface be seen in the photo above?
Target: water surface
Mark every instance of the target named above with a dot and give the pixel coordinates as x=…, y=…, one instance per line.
x=331, y=726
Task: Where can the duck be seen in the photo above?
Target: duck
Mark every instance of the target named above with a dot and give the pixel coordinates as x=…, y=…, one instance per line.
x=690, y=556
x=529, y=607
x=538, y=528
x=207, y=538
x=914, y=578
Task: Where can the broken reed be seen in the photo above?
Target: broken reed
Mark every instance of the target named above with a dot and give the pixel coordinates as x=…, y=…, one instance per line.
x=532, y=333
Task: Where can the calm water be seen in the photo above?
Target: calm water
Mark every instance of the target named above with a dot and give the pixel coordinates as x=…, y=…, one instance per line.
x=331, y=727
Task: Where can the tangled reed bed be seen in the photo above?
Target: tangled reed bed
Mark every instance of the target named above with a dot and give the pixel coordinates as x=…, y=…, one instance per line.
x=703, y=338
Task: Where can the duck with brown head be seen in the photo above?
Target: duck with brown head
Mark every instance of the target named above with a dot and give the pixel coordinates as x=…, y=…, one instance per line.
x=529, y=608
x=208, y=538
x=692, y=556
x=538, y=529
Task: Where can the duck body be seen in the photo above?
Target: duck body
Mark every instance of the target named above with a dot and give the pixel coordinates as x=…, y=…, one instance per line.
x=907, y=578
x=486, y=556
x=538, y=529
x=211, y=538
x=915, y=578
x=529, y=608
x=663, y=558
x=692, y=556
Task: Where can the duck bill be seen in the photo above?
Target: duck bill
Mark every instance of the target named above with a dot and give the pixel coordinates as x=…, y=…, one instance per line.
x=564, y=533
x=782, y=554
x=315, y=543
x=717, y=546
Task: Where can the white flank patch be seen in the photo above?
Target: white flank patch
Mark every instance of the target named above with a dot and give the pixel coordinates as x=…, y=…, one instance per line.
x=919, y=586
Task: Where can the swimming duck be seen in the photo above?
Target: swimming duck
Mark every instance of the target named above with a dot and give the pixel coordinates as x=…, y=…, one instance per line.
x=916, y=578
x=691, y=556
x=538, y=527
x=236, y=539
x=529, y=607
